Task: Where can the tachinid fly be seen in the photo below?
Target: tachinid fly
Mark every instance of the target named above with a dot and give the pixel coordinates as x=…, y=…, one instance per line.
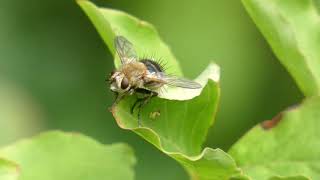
x=141, y=76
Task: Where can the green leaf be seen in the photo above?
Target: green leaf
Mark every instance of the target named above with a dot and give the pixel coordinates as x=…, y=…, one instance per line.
x=287, y=146
x=289, y=178
x=180, y=129
x=177, y=122
x=57, y=155
x=8, y=170
x=110, y=22
x=19, y=116
x=292, y=28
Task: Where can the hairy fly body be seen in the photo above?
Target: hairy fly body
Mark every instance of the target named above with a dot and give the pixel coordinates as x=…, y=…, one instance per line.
x=143, y=76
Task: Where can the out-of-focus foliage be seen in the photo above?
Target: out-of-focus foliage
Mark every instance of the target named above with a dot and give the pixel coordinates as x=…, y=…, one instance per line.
x=290, y=148
x=289, y=178
x=57, y=155
x=19, y=116
x=8, y=170
x=52, y=55
x=288, y=145
x=292, y=28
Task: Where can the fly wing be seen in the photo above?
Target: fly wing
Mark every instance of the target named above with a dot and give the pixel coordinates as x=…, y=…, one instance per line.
x=125, y=50
x=180, y=82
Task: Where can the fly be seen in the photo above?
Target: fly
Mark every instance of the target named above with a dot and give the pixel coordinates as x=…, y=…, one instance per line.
x=141, y=76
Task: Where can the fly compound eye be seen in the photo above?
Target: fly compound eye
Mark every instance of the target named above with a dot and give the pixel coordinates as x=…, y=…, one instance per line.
x=124, y=83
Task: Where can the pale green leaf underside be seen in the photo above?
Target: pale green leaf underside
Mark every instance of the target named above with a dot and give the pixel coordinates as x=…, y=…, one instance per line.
x=291, y=148
x=292, y=28
x=176, y=122
x=8, y=170
x=56, y=155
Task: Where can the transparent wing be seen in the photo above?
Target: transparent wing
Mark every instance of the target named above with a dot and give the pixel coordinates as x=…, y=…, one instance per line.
x=125, y=50
x=179, y=82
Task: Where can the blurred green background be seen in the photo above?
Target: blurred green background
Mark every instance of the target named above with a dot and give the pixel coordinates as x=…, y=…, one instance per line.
x=53, y=65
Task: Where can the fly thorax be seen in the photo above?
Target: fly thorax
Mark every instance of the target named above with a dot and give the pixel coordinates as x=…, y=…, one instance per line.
x=134, y=72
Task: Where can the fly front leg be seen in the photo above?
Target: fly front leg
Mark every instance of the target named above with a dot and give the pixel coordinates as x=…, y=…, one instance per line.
x=143, y=101
x=143, y=94
x=139, y=100
x=118, y=98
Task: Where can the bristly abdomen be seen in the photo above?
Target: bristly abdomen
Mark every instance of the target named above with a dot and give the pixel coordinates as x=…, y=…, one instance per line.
x=152, y=66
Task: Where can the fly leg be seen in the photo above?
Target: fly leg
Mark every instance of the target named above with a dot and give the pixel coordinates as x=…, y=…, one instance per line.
x=143, y=102
x=116, y=101
x=144, y=93
x=139, y=100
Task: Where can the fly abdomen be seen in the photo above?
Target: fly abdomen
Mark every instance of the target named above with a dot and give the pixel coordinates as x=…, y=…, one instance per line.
x=152, y=66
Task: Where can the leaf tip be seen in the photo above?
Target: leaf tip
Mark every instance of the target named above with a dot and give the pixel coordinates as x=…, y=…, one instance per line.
x=215, y=75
